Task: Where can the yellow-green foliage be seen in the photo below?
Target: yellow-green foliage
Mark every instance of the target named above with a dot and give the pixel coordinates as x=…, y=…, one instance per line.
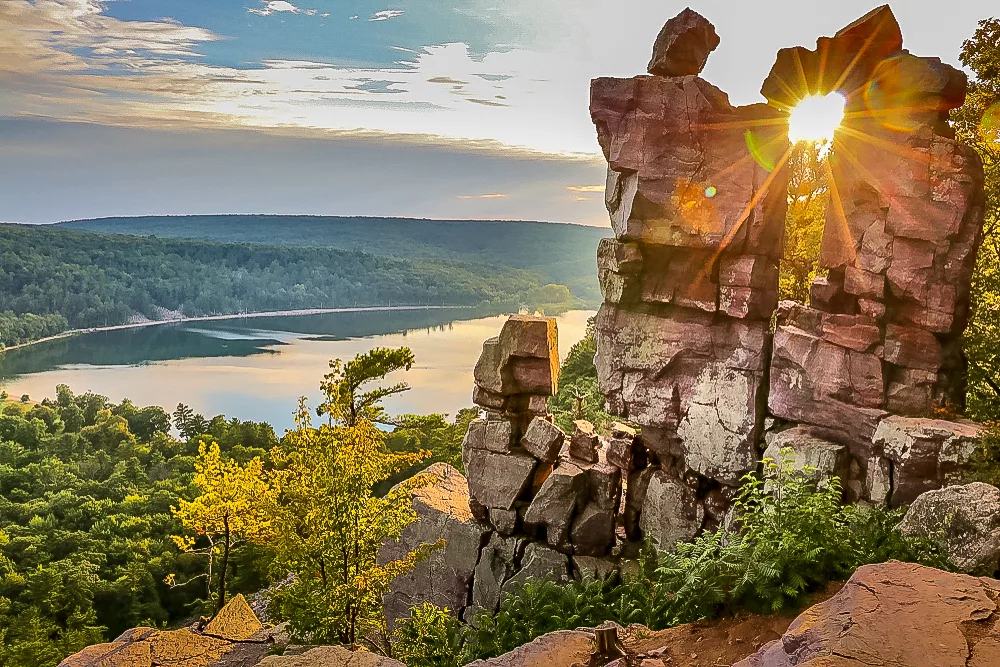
x=328, y=528
x=808, y=197
x=229, y=510
x=977, y=123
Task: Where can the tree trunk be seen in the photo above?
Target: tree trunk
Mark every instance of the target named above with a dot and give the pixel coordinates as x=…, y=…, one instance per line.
x=224, y=566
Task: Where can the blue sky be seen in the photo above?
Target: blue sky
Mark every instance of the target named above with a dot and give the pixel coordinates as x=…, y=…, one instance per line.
x=359, y=90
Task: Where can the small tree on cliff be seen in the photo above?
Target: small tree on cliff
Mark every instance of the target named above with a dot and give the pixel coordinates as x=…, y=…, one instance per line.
x=328, y=528
x=228, y=511
x=343, y=404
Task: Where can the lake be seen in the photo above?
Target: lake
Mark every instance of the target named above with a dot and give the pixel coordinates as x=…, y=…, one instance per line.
x=256, y=368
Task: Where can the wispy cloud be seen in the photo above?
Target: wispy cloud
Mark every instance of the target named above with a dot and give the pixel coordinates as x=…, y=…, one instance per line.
x=585, y=188
x=491, y=195
x=386, y=14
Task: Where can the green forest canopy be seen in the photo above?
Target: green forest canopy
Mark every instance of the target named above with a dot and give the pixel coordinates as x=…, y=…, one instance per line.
x=52, y=279
x=561, y=253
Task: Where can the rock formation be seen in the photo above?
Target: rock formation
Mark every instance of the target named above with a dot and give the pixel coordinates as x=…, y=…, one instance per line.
x=234, y=637
x=895, y=615
x=444, y=579
x=697, y=194
x=551, y=501
x=964, y=521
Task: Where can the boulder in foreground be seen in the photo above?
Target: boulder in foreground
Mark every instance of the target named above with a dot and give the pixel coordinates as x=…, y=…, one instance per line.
x=895, y=615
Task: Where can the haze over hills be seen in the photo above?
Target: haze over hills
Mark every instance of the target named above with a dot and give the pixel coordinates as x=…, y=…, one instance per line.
x=561, y=253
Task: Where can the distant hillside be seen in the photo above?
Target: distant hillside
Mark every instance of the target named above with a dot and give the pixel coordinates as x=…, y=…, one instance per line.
x=561, y=253
x=52, y=278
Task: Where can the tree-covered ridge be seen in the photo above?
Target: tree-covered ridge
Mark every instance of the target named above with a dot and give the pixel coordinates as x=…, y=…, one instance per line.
x=561, y=253
x=51, y=279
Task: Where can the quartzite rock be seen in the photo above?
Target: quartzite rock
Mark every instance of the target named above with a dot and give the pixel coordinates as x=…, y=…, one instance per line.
x=558, y=498
x=584, y=443
x=671, y=512
x=523, y=359
x=683, y=45
x=894, y=615
x=964, y=520
x=543, y=440
x=331, y=656
x=497, y=480
x=926, y=453
x=556, y=649
x=593, y=531
x=496, y=565
x=538, y=563
x=826, y=459
x=443, y=579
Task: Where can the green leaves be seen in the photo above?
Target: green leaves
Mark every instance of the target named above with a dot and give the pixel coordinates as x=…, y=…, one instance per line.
x=344, y=404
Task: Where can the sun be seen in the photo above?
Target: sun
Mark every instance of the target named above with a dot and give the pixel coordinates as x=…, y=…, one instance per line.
x=816, y=118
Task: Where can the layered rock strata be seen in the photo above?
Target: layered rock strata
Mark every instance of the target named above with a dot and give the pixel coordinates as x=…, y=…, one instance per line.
x=696, y=192
x=551, y=502
x=691, y=342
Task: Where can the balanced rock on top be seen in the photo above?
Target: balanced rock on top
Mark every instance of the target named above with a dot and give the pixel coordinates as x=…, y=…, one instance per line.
x=683, y=45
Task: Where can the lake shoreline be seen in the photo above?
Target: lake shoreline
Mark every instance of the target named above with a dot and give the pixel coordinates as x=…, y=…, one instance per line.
x=234, y=316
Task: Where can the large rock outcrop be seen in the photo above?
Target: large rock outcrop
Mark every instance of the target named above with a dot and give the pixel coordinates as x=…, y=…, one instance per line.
x=895, y=615
x=444, y=579
x=697, y=192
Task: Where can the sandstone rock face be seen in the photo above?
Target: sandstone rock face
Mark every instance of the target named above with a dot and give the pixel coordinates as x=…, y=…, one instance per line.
x=234, y=637
x=683, y=45
x=964, y=520
x=331, y=656
x=445, y=578
x=696, y=195
x=925, y=453
x=896, y=615
x=556, y=649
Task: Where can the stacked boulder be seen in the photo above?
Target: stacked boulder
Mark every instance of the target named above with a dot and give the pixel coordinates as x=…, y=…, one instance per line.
x=692, y=344
x=551, y=501
x=697, y=196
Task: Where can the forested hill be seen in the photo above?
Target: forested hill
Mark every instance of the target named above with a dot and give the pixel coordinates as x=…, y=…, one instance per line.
x=52, y=279
x=562, y=253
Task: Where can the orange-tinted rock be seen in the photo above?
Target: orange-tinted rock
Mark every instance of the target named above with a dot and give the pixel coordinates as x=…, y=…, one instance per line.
x=896, y=615
x=235, y=622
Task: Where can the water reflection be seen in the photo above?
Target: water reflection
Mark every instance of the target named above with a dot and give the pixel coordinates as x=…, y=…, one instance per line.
x=257, y=368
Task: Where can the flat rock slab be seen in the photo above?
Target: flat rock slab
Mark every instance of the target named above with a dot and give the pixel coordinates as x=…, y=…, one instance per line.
x=556, y=649
x=331, y=656
x=894, y=615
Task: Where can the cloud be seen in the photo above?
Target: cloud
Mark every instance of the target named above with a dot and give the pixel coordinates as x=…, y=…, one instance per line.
x=386, y=14
x=279, y=6
x=493, y=196
x=585, y=188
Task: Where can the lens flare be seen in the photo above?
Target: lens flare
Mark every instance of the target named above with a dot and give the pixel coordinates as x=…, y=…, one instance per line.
x=816, y=118
x=710, y=191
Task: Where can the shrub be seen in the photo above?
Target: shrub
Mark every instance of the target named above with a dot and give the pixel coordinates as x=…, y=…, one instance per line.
x=985, y=463
x=430, y=637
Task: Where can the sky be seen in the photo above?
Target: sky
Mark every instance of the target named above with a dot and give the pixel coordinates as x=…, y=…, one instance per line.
x=469, y=109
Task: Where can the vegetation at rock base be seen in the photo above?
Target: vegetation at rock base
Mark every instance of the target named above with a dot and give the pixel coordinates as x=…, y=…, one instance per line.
x=52, y=279
x=978, y=124
x=430, y=637
x=793, y=537
x=578, y=396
